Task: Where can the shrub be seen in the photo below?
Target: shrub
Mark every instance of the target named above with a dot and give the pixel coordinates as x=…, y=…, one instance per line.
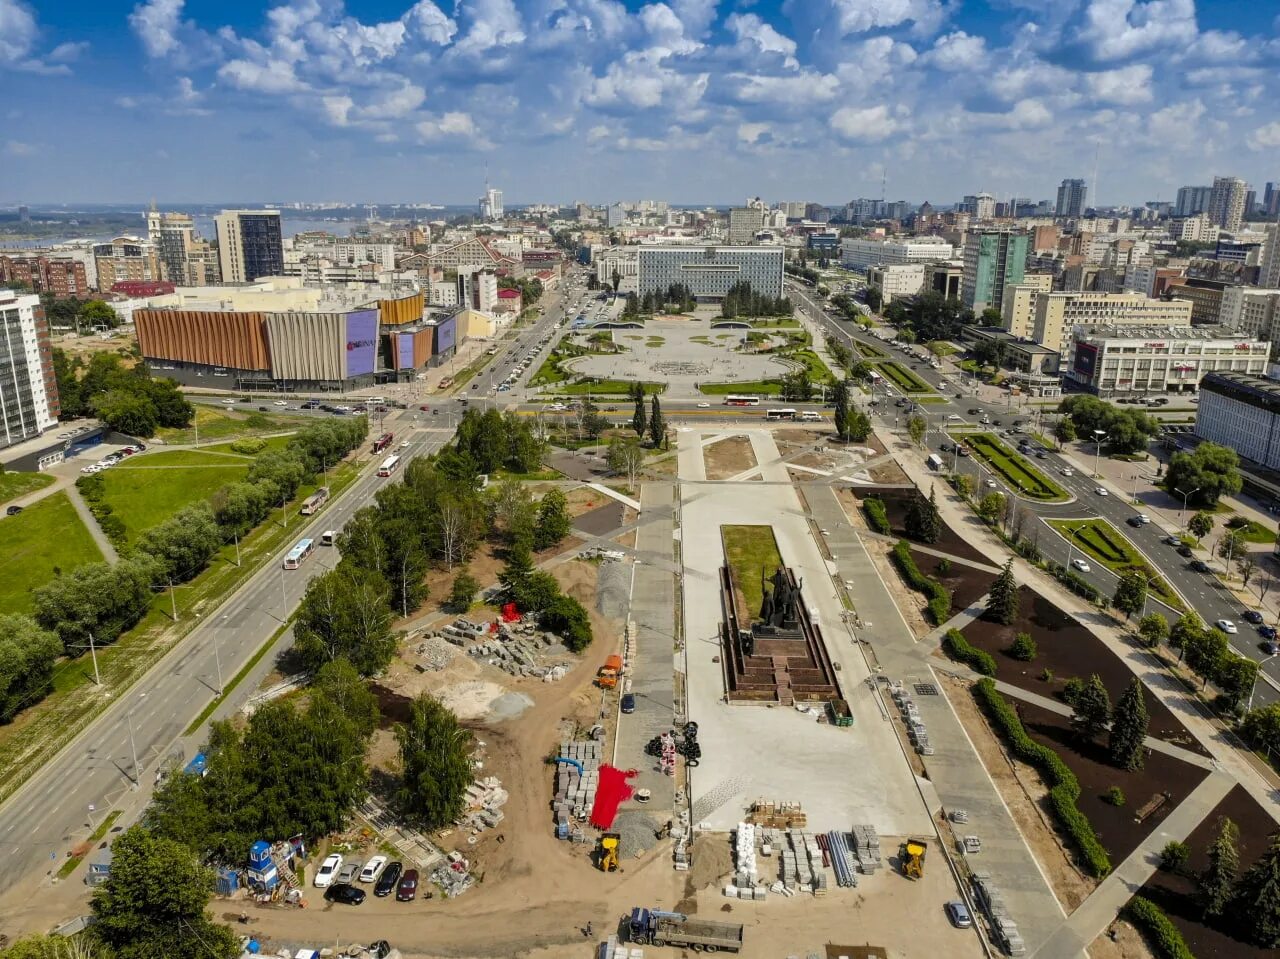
x=943, y=567
x=1046, y=675
x=939, y=604
x=1072, y=689
x=877, y=518
x=1114, y=796
x=961, y=650
x=1160, y=932
x=1024, y=648
x=1064, y=788
x=249, y=445
x=1174, y=856
x=1081, y=587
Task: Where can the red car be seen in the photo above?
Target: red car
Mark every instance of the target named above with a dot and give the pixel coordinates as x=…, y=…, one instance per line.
x=407, y=891
x=424, y=408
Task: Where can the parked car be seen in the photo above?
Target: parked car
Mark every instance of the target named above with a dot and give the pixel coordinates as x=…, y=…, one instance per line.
x=348, y=873
x=1252, y=616
x=373, y=869
x=628, y=704
x=345, y=893
x=13, y=511
x=958, y=913
x=388, y=880
x=1267, y=632
x=407, y=890
x=1200, y=566
x=328, y=869
x=1227, y=626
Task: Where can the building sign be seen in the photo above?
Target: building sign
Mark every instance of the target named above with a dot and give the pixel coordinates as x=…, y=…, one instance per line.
x=446, y=335
x=1154, y=346
x=404, y=351
x=1086, y=361
x=362, y=342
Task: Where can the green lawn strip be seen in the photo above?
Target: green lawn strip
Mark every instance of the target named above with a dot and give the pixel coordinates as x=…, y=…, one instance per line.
x=748, y=388
x=750, y=551
x=605, y=388
x=76, y=700
x=903, y=378
x=46, y=536
x=13, y=485
x=817, y=369
x=145, y=492
x=273, y=443
x=1018, y=473
x=237, y=679
x=1106, y=544
x=869, y=351
x=930, y=399
x=216, y=424
x=1255, y=533
x=68, y=867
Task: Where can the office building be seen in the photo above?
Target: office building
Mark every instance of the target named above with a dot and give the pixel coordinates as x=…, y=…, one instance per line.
x=478, y=289
x=28, y=388
x=1251, y=311
x=860, y=254
x=172, y=234
x=1242, y=412
x=794, y=209
x=491, y=204
x=250, y=245
x=1205, y=297
x=1071, y=198
x=982, y=206
x=622, y=263
x=615, y=214
x=710, y=271
x=1135, y=360
x=896, y=280
x=24, y=215
x=1192, y=200
x=61, y=276
x=1018, y=306
x=1226, y=202
x=1271, y=200
x=1269, y=257
x=945, y=278
x=992, y=261
x=1057, y=314
x=744, y=223
x=1196, y=229
x=126, y=258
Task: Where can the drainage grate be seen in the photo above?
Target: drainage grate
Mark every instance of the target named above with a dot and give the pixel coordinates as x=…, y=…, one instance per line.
x=926, y=689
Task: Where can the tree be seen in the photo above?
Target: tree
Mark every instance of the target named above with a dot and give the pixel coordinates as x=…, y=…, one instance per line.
x=1153, y=628
x=917, y=426
x=96, y=314
x=1235, y=677
x=625, y=457
x=344, y=613
x=841, y=416
x=857, y=426
x=991, y=506
x=127, y=413
x=55, y=947
x=435, y=755
x=1091, y=709
x=1131, y=593
x=568, y=619
x=639, y=422
x=184, y=543
x=153, y=902
x=1246, y=565
x=518, y=567
x=339, y=685
x=553, y=521
x=1258, y=896
x=464, y=591
x=96, y=598
x=1003, y=601
x=1186, y=631
x=1200, y=524
x=1218, y=881
x=1065, y=431
x=874, y=298
x=27, y=655
x=1129, y=728
x=657, y=425
x=922, y=522
x=1212, y=470
x=1261, y=727
x=1024, y=648
x=1174, y=856
x=964, y=485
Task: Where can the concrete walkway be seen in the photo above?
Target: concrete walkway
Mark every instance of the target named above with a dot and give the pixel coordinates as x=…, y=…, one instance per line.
x=614, y=494
x=91, y=524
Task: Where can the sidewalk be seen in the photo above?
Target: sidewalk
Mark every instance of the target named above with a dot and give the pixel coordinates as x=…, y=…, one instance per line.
x=91, y=523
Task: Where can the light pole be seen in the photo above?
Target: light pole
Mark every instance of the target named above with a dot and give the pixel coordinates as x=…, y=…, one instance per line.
x=1071, y=545
x=1256, y=676
x=1098, y=437
x=93, y=652
x=133, y=749
x=1185, y=496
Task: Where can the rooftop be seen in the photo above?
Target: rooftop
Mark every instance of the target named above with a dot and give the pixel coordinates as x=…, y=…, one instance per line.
x=1109, y=331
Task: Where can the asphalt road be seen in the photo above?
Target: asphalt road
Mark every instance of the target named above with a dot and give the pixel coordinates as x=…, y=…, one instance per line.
x=51, y=811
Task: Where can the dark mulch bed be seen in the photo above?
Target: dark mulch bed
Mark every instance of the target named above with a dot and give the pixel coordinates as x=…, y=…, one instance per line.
x=1175, y=894
x=1114, y=824
x=602, y=519
x=895, y=507
x=1067, y=649
x=966, y=583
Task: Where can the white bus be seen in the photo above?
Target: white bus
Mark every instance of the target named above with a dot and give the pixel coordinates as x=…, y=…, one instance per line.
x=741, y=401
x=783, y=414
x=299, y=553
x=389, y=466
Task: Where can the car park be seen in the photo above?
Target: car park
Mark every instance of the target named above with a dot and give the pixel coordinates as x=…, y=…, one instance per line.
x=328, y=869
x=389, y=879
x=345, y=893
x=407, y=889
x=1081, y=565
x=373, y=869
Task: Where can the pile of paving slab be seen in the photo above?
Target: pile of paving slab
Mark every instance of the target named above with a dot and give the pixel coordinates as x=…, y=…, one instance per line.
x=911, y=716
x=513, y=648
x=803, y=858
x=1003, y=929
x=576, y=791
x=485, y=799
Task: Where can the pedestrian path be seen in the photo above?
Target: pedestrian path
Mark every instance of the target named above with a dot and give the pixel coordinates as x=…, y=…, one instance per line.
x=614, y=494
x=91, y=524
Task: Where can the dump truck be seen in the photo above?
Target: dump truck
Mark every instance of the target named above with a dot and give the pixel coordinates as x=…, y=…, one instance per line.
x=607, y=678
x=658, y=928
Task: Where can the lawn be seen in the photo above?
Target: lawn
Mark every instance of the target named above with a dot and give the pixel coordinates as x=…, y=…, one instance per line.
x=1106, y=544
x=13, y=485
x=777, y=323
x=605, y=388
x=869, y=351
x=46, y=536
x=750, y=550
x=146, y=491
x=229, y=423
x=1253, y=532
x=903, y=378
x=817, y=370
x=1015, y=469
x=746, y=388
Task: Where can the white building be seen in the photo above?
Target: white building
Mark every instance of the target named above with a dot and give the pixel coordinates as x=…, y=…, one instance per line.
x=1126, y=360
x=622, y=260
x=1196, y=229
x=491, y=204
x=897, y=280
x=1242, y=412
x=710, y=271
x=860, y=254
x=1057, y=314
x=28, y=389
x=744, y=223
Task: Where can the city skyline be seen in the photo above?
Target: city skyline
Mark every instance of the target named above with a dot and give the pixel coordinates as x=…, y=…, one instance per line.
x=695, y=101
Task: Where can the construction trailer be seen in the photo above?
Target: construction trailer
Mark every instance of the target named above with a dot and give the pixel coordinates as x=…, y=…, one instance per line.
x=657, y=928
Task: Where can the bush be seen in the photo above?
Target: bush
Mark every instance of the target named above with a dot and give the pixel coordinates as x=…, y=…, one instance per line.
x=1064, y=788
x=1114, y=796
x=939, y=604
x=249, y=445
x=1072, y=689
x=877, y=518
x=1081, y=587
x=943, y=567
x=1160, y=932
x=1024, y=648
x=960, y=649
x=1174, y=856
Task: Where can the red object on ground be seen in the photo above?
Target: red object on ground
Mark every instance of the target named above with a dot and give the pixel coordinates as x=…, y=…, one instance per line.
x=611, y=792
x=510, y=614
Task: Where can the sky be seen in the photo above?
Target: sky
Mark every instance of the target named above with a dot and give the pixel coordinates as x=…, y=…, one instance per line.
x=691, y=101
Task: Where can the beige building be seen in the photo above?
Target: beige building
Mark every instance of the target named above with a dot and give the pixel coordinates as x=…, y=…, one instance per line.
x=1057, y=314
x=126, y=258
x=1226, y=202
x=1018, y=310
x=897, y=280
x=1250, y=310
x=1135, y=360
x=744, y=223
x=1198, y=229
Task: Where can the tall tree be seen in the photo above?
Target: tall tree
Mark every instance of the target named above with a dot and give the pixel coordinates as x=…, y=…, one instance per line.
x=1003, y=601
x=1092, y=709
x=1218, y=881
x=922, y=522
x=463, y=593
x=917, y=426
x=344, y=613
x=1186, y=631
x=657, y=425
x=435, y=755
x=625, y=457
x=639, y=421
x=1131, y=593
x=1200, y=524
x=27, y=655
x=857, y=426
x=1212, y=470
x=1129, y=728
x=841, y=416
x=1258, y=896
x=1154, y=629
x=553, y=521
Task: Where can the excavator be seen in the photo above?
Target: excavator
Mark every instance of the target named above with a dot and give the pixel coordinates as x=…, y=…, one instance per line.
x=607, y=852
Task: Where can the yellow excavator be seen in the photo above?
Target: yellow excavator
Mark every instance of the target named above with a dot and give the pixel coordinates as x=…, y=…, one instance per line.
x=607, y=852
x=912, y=858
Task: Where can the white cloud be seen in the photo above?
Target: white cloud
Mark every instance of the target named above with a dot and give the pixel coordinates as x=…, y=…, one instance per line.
x=666, y=30
x=16, y=148
x=430, y=23
x=1118, y=29
x=67, y=52
x=1127, y=85
x=957, y=52
x=858, y=16
x=751, y=132
x=1027, y=114
x=749, y=28
x=1265, y=137
x=456, y=124
x=863, y=124
x=19, y=32
x=266, y=76
x=1171, y=124
x=156, y=23
x=394, y=104
x=493, y=23
x=815, y=87
x=337, y=109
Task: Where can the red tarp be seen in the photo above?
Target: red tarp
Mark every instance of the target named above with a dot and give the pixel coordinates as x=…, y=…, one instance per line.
x=510, y=614
x=611, y=792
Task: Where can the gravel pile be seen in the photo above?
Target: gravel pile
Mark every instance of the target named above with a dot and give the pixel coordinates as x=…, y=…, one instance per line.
x=637, y=830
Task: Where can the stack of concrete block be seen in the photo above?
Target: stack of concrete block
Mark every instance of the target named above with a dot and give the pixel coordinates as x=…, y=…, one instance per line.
x=990, y=901
x=576, y=793
x=865, y=847
x=744, y=855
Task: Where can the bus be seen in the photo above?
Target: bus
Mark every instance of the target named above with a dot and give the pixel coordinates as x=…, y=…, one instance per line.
x=783, y=414
x=741, y=401
x=313, y=502
x=299, y=553
x=389, y=466
x=382, y=442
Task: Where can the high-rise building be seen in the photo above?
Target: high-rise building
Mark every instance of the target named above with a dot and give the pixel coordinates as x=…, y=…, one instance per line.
x=1271, y=200
x=615, y=215
x=126, y=258
x=172, y=234
x=981, y=205
x=1192, y=200
x=1269, y=259
x=491, y=204
x=1226, y=202
x=250, y=244
x=744, y=223
x=1071, y=198
x=28, y=388
x=24, y=215
x=992, y=260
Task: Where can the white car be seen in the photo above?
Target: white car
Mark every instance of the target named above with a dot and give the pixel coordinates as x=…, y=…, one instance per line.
x=704, y=406
x=281, y=403
x=953, y=416
x=228, y=402
x=1101, y=491
x=991, y=484
x=373, y=869
x=1081, y=565
x=1144, y=519
x=1226, y=626
x=91, y=469
x=1068, y=471
x=328, y=869
x=404, y=444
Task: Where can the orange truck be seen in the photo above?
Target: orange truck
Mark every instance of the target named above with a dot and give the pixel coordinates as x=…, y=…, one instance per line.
x=607, y=678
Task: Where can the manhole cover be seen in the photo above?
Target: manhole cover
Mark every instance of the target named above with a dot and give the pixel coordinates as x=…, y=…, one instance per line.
x=926, y=689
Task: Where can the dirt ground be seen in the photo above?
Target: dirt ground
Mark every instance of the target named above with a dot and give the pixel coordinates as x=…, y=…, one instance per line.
x=793, y=439
x=889, y=472
x=728, y=457
x=966, y=583
x=895, y=506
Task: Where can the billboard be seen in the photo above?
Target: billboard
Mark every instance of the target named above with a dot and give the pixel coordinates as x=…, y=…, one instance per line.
x=446, y=335
x=1086, y=362
x=404, y=351
x=362, y=342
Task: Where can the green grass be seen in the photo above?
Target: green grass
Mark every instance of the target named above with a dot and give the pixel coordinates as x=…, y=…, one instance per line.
x=903, y=378
x=46, y=536
x=605, y=388
x=654, y=342
x=1016, y=470
x=68, y=867
x=700, y=338
x=930, y=399
x=273, y=443
x=869, y=351
x=146, y=491
x=229, y=423
x=1255, y=532
x=748, y=551
x=1108, y=546
x=13, y=485
x=776, y=323
x=818, y=371
x=748, y=388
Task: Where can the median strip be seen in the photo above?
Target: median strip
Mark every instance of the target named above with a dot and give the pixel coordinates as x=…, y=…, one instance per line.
x=236, y=680
x=1105, y=544
x=1021, y=476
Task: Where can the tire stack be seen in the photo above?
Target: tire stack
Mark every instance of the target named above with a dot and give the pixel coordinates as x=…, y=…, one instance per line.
x=688, y=746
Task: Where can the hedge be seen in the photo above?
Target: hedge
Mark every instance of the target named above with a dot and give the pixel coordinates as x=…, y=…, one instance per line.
x=1077, y=584
x=961, y=650
x=1159, y=931
x=939, y=604
x=877, y=518
x=1064, y=788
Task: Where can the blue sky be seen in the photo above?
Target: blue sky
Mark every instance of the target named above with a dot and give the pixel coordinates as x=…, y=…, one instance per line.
x=687, y=100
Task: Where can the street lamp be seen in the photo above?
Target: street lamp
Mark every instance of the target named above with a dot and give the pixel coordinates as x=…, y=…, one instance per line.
x=1185, y=496
x=1256, y=677
x=1071, y=545
x=1098, y=437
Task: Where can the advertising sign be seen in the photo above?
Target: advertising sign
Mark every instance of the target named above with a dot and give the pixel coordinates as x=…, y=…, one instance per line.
x=362, y=342
x=404, y=351
x=1086, y=360
x=446, y=335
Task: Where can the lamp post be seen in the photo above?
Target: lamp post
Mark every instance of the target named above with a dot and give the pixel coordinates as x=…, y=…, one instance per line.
x=1071, y=545
x=1185, y=497
x=1256, y=676
x=1098, y=437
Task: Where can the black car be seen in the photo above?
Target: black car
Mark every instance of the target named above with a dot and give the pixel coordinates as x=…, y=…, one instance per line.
x=1251, y=616
x=997, y=423
x=389, y=879
x=975, y=411
x=1185, y=551
x=1134, y=521
x=345, y=893
x=13, y=511
x=1200, y=566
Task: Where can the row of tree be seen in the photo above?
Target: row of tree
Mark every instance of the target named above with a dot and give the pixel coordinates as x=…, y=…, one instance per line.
x=651, y=422
x=1208, y=653
x=929, y=316
x=743, y=301
x=491, y=441
x=1125, y=724
x=677, y=298
x=852, y=424
x=126, y=399
x=1122, y=429
x=1249, y=902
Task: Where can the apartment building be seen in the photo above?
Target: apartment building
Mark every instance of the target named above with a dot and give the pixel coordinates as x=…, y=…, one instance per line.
x=861, y=254
x=896, y=280
x=1071, y=198
x=1057, y=314
x=126, y=258
x=28, y=388
x=250, y=244
x=1018, y=307
x=60, y=276
x=993, y=259
x=1226, y=202
x=744, y=223
x=710, y=271
x=1251, y=310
